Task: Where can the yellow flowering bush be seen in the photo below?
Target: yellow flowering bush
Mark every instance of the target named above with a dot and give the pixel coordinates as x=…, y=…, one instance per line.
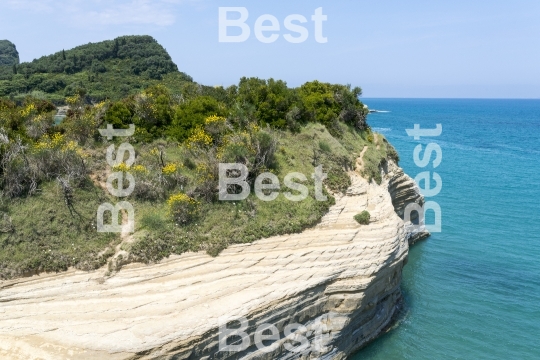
x=54, y=155
x=72, y=100
x=141, y=169
x=100, y=105
x=183, y=208
x=28, y=110
x=199, y=138
x=254, y=127
x=38, y=125
x=220, y=151
x=214, y=119
x=5, y=105
x=204, y=172
x=73, y=146
x=216, y=127
x=38, y=119
x=81, y=124
x=123, y=167
x=155, y=91
x=169, y=169
x=55, y=142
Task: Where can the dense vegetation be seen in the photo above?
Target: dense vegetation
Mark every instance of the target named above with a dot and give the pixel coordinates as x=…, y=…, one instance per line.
x=8, y=54
x=57, y=172
x=110, y=69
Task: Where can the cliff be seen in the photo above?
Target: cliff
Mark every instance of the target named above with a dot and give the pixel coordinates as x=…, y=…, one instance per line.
x=340, y=280
x=403, y=191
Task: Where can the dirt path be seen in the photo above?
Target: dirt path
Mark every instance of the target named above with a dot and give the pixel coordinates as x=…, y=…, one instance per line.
x=360, y=160
x=125, y=236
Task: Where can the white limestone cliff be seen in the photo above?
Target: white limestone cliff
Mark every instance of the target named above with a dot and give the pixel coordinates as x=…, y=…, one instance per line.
x=340, y=278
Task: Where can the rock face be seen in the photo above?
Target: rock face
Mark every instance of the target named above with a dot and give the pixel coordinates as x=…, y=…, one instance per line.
x=404, y=191
x=340, y=280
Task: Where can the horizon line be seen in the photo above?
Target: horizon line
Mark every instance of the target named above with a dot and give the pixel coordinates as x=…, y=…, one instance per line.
x=448, y=98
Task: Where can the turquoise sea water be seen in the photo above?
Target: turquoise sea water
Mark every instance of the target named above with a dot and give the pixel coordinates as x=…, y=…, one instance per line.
x=473, y=290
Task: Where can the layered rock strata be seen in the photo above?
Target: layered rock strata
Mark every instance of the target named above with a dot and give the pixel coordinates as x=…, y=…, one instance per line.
x=404, y=191
x=339, y=280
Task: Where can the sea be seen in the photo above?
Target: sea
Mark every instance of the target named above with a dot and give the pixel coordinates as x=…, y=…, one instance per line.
x=471, y=291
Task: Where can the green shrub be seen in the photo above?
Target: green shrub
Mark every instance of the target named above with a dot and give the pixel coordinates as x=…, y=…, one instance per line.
x=391, y=152
x=338, y=180
x=323, y=145
x=118, y=114
x=363, y=218
x=189, y=163
x=374, y=159
x=271, y=98
x=254, y=148
x=193, y=114
x=183, y=208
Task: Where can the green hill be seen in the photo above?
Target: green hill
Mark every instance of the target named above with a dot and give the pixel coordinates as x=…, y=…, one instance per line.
x=57, y=172
x=8, y=54
x=109, y=69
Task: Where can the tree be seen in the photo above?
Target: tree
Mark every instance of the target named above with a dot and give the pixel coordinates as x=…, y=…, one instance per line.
x=271, y=98
x=192, y=114
x=318, y=102
x=116, y=47
x=8, y=53
x=118, y=115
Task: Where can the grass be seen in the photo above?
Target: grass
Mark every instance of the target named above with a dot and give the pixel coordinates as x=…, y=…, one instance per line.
x=377, y=153
x=52, y=239
x=47, y=237
x=224, y=223
x=153, y=221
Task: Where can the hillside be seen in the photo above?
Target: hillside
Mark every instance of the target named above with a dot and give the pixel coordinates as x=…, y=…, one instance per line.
x=58, y=172
x=109, y=69
x=9, y=55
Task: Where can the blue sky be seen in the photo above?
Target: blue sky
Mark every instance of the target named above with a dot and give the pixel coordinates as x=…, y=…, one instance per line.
x=463, y=49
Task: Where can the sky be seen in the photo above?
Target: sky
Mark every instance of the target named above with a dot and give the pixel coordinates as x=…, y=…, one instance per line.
x=407, y=49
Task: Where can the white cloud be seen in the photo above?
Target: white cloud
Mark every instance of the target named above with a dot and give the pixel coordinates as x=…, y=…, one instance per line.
x=140, y=12
x=103, y=13
x=34, y=5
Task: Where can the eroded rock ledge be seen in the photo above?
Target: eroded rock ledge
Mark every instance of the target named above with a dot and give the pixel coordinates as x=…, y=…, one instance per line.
x=403, y=191
x=339, y=274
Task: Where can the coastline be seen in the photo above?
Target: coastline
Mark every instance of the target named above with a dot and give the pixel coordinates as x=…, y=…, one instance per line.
x=338, y=272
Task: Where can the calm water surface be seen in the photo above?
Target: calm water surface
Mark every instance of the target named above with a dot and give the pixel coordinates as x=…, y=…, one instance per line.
x=473, y=290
